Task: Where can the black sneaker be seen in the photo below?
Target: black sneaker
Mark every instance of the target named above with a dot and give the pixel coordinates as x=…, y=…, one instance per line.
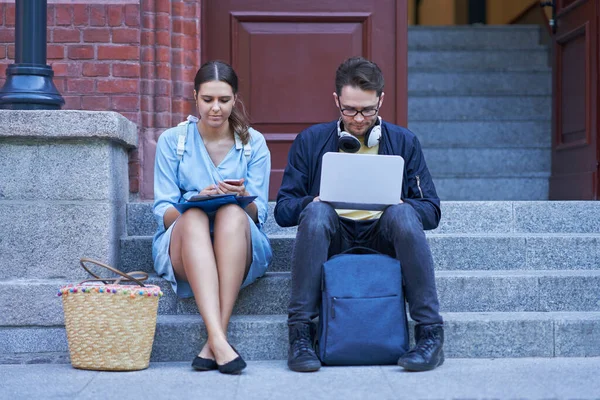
x=302, y=356
x=428, y=353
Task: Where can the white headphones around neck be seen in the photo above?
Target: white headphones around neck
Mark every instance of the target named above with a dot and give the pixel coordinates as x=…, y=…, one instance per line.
x=350, y=143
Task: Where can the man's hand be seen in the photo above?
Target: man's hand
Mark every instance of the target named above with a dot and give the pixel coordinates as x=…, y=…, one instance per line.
x=317, y=198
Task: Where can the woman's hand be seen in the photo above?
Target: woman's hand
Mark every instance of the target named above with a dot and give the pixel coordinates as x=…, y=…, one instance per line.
x=210, y=190
x=237, y=187
x=229, y=188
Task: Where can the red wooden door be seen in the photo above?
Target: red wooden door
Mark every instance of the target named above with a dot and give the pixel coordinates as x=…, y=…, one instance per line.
x=286, y=53
x=575, y=141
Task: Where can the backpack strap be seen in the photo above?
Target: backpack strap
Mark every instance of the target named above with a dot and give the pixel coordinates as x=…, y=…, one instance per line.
x=240, y=145
x=184, y=127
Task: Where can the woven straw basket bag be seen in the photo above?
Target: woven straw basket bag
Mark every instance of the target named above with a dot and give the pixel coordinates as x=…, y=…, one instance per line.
x=110, y=326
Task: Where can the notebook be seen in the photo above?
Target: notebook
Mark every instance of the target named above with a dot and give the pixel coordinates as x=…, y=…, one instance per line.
x=361, y=181
x=212, y=203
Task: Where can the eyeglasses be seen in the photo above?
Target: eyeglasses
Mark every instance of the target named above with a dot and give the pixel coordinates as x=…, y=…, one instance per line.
x=351, y=112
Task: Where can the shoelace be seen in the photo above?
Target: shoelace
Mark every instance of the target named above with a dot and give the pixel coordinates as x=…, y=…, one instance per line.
x=302, y=341
x=426, y=343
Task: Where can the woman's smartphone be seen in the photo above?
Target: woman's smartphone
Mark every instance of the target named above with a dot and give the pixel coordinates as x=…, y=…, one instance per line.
x=234, y=182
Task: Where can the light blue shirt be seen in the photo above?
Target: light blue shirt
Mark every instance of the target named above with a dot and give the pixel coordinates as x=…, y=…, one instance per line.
x=176, y=181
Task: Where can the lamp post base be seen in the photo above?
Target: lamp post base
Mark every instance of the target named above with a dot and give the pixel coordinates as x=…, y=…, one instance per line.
x=30, y=87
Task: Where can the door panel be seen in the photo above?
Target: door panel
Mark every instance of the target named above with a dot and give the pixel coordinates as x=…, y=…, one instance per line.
x=573, y=105
x=291, y=74
x=575, y=74
x=286, y=54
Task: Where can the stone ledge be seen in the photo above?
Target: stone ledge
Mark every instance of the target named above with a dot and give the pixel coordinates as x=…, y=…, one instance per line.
x=69, y=124
x=34, y=302
x=450, y=252
x=458, y=217
x=468, y=335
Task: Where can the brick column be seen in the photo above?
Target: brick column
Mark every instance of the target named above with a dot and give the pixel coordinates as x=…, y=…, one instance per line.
x=170, y=59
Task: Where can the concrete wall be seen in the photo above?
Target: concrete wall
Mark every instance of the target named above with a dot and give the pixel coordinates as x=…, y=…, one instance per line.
x=63, y=190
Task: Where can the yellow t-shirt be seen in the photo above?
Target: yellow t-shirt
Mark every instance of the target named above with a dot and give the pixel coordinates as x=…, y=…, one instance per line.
x=362, y=214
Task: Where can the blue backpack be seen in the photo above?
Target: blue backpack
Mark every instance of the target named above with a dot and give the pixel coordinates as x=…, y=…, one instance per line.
x=363, y=316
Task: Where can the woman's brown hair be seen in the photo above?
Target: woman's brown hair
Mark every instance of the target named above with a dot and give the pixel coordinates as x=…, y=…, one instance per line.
x=220, y=71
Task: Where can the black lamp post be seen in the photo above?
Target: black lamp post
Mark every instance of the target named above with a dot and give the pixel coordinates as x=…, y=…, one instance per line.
x=29, y=84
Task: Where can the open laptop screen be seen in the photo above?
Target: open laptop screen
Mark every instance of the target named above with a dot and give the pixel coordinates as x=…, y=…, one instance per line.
x=361, y=181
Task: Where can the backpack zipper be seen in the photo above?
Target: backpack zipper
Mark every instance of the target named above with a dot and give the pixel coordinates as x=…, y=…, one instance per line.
x=333, y=299
x=419, y=185
x=332, y=316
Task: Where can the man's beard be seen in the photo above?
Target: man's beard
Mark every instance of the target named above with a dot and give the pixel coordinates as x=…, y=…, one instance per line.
x=363, y=130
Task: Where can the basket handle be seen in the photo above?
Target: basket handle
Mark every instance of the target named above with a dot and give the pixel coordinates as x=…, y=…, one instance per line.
x=115, y=281
x=142, y=276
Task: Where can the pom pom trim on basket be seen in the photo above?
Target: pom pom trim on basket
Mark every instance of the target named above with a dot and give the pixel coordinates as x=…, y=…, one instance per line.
x=131, y=291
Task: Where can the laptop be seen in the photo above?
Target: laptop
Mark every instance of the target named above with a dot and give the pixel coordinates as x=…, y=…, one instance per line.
x=361, y=181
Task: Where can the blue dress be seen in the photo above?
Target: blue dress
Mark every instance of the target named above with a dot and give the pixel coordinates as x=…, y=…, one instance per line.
x=176, y=181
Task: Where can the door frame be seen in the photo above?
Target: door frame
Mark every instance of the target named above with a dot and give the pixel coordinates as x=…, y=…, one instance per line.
x=590, y=28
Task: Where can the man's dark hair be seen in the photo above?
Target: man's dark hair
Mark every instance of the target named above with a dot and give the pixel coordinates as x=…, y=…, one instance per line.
x=360, y=73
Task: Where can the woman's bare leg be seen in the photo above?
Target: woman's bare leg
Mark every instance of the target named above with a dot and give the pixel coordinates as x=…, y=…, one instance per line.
x=233, y=252
x=193, y=260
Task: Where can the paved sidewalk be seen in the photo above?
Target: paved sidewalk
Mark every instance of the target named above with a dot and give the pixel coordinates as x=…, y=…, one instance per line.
x=533, y=378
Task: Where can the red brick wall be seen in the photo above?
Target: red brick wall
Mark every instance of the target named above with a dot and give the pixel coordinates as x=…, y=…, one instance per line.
x=170, y=57
x=135, y=57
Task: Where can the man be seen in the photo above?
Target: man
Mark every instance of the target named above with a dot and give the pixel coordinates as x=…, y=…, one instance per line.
x=323, y=231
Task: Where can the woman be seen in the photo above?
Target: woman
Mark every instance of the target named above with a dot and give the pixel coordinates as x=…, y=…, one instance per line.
x=210, y=256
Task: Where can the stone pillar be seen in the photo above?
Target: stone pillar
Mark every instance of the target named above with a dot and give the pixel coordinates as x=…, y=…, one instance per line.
x=63, y=191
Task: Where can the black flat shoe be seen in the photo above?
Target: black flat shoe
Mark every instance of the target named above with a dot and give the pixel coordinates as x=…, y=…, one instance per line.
x=204, y=364
x=234, y=366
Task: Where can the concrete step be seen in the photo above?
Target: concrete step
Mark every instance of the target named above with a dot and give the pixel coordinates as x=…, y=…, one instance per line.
x=444, y=59
x=463, y=217
x=264, y=337
x=542, y=217
x=479, y=83
x=488, y=235
x=519, y=187
x=479, y=108
x=474, y=37
x=484, y=163
x=493, y=252
x=459, y=291
x=468, y=335
x=483, y=134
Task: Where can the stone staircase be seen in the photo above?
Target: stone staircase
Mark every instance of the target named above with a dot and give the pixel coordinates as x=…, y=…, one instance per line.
x=515, y=279
x=480, y=102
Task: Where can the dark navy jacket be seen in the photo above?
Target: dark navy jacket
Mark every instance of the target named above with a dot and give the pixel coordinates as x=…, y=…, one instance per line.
x=302, y=176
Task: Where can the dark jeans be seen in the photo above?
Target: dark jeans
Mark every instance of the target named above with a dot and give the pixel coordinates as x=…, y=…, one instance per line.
x=398, y=233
